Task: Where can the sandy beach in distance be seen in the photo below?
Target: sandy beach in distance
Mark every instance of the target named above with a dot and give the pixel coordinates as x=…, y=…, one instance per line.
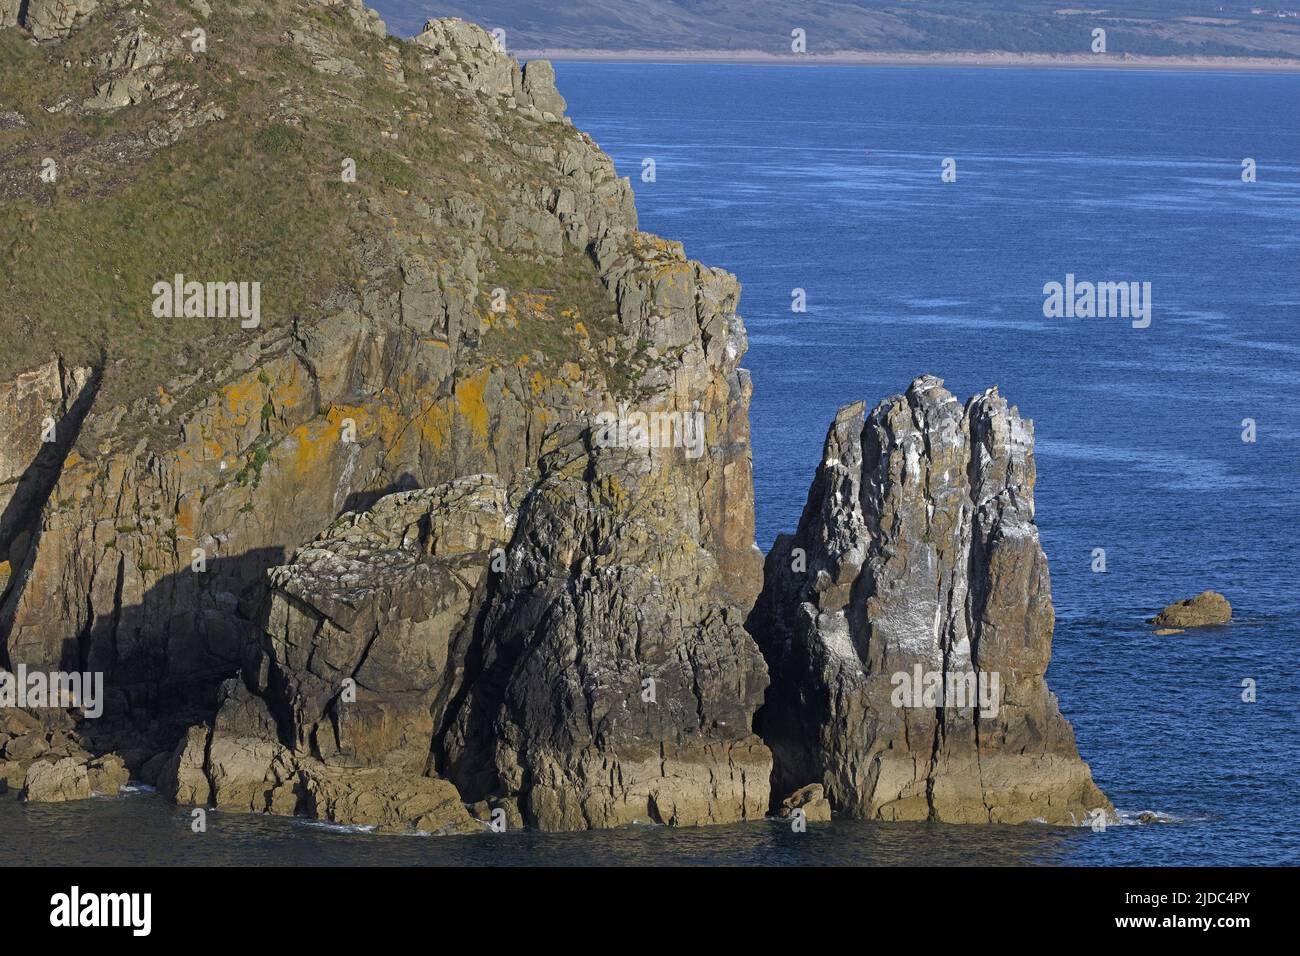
x=867, y=58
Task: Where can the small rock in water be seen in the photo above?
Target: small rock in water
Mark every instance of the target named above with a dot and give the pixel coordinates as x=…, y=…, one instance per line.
x=811, y=800
x=1208, y=607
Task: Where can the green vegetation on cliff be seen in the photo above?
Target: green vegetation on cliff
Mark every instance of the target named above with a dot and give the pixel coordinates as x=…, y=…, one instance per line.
x=226, y=165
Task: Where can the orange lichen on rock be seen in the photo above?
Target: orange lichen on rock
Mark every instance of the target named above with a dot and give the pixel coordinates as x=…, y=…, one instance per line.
x=470, y=405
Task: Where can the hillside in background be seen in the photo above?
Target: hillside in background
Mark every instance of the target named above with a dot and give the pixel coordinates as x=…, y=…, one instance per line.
x=1144, y=28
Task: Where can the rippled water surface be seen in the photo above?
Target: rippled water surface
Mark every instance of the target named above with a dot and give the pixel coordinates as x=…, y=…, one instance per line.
x=828, y=180
x=145, y=829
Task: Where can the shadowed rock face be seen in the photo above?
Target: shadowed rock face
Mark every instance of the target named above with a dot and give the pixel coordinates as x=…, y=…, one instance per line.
x=40, y=415
x=917, y=555
x=387, y=600
x=613, y=686
x=565, y=660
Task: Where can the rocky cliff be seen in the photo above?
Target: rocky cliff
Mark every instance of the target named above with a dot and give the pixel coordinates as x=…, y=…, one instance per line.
x=458, y=522
x=494, y=297
x=908, y=623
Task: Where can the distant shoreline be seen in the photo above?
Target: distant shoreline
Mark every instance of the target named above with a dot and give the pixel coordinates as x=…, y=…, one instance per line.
x=983, y=60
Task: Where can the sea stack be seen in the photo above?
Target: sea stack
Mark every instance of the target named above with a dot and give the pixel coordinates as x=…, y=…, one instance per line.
x=917, y=566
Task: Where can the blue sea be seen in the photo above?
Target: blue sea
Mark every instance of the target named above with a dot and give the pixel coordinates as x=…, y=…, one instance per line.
x=828, y=180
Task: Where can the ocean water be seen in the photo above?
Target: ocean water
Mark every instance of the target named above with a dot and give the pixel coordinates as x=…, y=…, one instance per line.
x=828, y=180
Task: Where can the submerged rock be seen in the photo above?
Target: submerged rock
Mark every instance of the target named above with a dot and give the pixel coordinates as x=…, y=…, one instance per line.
x=907, y=624
x=1207, y=608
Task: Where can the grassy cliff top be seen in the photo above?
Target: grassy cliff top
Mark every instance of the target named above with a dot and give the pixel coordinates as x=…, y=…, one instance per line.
x=225, y=164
